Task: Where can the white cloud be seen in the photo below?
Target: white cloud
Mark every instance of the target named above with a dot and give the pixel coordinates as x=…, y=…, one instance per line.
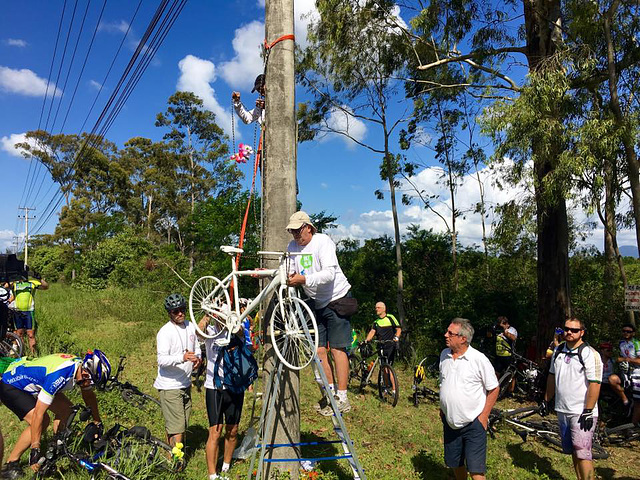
x=15, y=42
x=7, y=242
x=94, y=84
x=196, y=75
x=324, y=185
x=341, y=121
x=25, y=82
x=113, y=27
x=8, y=144
x=241, y=71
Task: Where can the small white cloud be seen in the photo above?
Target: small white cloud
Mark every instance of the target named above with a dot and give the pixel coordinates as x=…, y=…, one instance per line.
x=15, y=42
x=94, y=84
x=25, y=82
x=341, y=120
x=113, y=27
x=324, y=185
x=196, y=75
x=8, y=144
x=7, y=240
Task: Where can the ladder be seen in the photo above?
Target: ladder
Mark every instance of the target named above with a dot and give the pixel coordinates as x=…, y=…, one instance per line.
x=266, y=425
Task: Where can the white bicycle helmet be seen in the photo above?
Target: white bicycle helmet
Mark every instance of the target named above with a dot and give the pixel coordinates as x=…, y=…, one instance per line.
x=98, y=366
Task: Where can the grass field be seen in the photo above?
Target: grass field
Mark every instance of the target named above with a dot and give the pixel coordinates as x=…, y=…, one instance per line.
x=393, y=443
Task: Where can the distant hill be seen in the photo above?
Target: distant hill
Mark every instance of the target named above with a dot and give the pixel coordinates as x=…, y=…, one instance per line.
x=629, y=251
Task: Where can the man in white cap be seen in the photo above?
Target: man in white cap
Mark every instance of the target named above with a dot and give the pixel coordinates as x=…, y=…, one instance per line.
x=318, y=273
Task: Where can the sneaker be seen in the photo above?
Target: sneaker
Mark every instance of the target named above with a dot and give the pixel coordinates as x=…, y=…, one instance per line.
x=11, y=471
x=343, y=407
x=322, y=404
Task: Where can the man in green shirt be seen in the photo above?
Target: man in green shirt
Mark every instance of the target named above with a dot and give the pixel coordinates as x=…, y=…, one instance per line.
x=23, y=293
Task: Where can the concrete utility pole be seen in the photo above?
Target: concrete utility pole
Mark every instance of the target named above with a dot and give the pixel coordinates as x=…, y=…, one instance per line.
x=26, y=231
x=279, y=202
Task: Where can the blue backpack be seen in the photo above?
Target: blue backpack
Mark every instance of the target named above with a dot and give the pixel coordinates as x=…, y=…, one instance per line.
x=239, y=367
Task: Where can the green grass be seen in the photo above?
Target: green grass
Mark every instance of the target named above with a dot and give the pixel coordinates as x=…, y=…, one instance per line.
x=393, y=443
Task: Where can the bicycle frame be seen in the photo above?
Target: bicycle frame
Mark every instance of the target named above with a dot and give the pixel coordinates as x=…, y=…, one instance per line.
x=233, y=318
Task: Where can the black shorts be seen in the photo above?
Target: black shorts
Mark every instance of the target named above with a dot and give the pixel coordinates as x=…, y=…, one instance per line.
x=223, y=407
x=502, y=363
x=16, y=400
x=389, y=350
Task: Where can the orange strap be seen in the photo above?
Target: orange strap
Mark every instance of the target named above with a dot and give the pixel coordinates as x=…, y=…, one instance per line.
x=267, y=46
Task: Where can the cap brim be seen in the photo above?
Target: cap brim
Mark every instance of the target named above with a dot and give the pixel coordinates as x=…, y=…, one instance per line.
x=295, y=225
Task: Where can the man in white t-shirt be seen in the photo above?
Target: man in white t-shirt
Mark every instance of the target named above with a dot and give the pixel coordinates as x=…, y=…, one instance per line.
x=318, y=273
x=575, y=375
x=468, y=391
x=178, y=354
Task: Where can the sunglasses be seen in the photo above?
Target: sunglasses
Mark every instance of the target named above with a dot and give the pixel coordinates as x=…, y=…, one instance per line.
x=177, y=311
x=627, y=331
x=451, y=334
x=297, y=231
x=572, y=330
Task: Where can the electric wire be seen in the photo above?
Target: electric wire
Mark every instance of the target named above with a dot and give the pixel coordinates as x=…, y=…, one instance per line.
x=109, y=113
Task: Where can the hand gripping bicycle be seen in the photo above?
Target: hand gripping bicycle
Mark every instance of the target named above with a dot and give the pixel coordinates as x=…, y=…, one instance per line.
x=292, y=324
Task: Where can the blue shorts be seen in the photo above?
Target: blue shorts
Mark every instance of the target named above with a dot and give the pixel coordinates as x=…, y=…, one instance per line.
x=466, y=445
x=23, y=320
x=574, y=439
x=332, y=328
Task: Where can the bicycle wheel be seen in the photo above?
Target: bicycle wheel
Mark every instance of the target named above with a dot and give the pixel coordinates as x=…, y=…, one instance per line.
x=11, y=345
x=621, y=434
x=294, y=332
x=209, y=298
x=354, y=368
x=138, y=451
x=138, y=399
x=505, y=383
x=407, y=355
x=388, y=387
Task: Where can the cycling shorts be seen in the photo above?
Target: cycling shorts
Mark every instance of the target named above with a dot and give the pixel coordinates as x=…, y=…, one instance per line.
x=23, y=320
x=574, y=439
x=16, y=400
x=223, y=407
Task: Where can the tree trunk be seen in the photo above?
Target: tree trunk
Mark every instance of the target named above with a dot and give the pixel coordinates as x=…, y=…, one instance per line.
x=543, y=33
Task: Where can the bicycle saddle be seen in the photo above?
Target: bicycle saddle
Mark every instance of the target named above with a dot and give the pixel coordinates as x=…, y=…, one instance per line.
x=231, y=250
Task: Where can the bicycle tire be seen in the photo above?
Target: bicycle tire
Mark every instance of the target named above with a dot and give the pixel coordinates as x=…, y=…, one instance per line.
x=138, y=399
x=520, y=413
x=407, y=355
x=209, y=298
x=354, y=368
x=138, y=445
x=504, y=383
x=621, y=434
x=289, y=324
x=387, y=378
x=11, y=346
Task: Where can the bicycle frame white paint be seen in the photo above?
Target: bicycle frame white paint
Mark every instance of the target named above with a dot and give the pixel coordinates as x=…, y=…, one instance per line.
x=234, y=318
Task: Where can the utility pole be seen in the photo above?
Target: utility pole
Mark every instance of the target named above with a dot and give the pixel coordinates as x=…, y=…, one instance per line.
x=279, y=202
x=26, y=231
x=16, y=240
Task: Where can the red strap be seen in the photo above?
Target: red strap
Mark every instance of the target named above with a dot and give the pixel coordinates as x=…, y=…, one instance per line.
x=268, y=46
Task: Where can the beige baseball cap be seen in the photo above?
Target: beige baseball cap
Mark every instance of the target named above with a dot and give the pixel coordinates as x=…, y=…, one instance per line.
x=299, y=219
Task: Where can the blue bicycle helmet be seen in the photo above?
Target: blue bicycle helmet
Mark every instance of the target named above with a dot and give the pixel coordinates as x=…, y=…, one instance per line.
x=98, y=366
x=173, y=301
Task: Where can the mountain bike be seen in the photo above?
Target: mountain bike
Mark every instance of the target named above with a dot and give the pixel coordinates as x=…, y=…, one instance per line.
x=406, y=354
x=11, y=345
x=292, y=324
x=429, y=367
x=524, y=423
x=129, y=392
x=529, y=379
x=361, y=370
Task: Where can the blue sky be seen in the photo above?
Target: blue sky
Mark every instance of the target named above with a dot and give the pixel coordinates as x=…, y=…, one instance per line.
x=212, y=49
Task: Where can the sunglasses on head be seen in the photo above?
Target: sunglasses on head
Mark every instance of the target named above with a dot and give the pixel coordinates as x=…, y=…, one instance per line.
x=572, y=330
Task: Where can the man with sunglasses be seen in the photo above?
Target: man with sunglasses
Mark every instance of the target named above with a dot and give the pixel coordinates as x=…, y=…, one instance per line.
x=629, y=361
x=318, y=273
x=29, y=388
x=468, y=391
x=575, y=375
x=178, y=354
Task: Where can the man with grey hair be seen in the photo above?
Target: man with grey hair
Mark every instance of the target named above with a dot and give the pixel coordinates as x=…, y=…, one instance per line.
x=468, y=391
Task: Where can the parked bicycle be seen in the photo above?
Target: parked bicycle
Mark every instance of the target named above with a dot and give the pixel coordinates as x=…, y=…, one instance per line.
x=529, y=379
x=292, y=324
x=525, y=422
x=406, y=354
x=129, y=392
x=10, y=342
x=427, y=370
x=362, y=369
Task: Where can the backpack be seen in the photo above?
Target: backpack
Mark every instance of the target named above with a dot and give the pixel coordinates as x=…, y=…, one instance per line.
x=239, y=367
x=578, y=353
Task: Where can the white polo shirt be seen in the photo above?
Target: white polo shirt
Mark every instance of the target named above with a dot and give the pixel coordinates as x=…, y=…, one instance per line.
x=464, y=383
x=572, y=379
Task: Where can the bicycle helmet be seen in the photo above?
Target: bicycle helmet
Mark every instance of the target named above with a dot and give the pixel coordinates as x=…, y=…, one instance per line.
x=5, y=293
x=98, y=366
x=173, y=301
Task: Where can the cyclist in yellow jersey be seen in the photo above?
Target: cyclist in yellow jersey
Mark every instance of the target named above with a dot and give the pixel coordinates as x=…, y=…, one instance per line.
x=385, y=328
x=24, y=292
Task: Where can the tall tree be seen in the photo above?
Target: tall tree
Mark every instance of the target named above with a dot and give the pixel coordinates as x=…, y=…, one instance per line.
x=349, y=68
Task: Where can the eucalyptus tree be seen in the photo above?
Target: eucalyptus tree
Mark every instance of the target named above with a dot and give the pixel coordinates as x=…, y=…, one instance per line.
x=350, y=68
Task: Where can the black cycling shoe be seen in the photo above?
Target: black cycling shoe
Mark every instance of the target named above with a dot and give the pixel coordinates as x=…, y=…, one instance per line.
x=11, y=471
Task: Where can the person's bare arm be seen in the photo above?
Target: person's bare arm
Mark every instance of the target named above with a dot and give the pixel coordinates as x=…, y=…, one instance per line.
x=492, y=397
x=593, y=392
x=43, y=284
x=90, y=400
x=551, y=387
